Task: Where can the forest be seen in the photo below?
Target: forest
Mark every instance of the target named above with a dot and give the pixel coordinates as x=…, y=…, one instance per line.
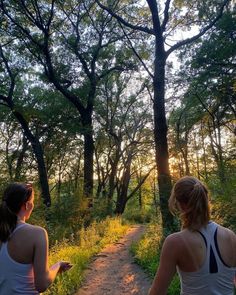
x=104, y=105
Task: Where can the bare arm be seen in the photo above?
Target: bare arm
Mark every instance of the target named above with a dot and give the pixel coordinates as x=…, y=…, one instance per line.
x=234, y=250
x=43, y=275
x=166, y=270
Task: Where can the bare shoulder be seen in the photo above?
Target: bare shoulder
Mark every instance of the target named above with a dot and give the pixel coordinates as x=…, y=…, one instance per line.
x=37, y=232
x=174, y=239
x=35, y=228
x=227, y=244
x=226, y=233
x=171, y=247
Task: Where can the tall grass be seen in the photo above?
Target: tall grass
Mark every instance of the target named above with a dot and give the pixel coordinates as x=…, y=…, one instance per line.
x=80, y=251
x=147, y=254
x=74, y=235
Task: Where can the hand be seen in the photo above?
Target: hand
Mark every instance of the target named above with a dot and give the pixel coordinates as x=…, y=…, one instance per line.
x=64, y=266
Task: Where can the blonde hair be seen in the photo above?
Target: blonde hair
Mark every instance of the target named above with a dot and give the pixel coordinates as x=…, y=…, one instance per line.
x=189, y=197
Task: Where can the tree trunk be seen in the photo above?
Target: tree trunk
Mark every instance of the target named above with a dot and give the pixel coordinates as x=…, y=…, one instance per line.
x=59, y=181
x=123, y=192
x=184, y=152
x=140, y=193
x=112, y=175
x=77, y=173
x=38, y=152
x=20, y=159
x=197, y=156
x=120, y=205
x=204, y=153
x=155, y=199
x=160, y=137
x=181, y=166
x=217, y=153
x=88, y=156
x=43, y=178
x=221, y=166
x=140, y=198
x=183, y=145
x=9, y=160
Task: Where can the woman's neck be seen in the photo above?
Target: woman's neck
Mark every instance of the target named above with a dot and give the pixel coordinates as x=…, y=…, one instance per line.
x=20, y=218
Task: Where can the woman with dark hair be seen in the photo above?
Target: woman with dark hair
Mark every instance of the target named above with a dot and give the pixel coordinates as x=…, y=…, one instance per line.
x=203, y=252
x=23, y=247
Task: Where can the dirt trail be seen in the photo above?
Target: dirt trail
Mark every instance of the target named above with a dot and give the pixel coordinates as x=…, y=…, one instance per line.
x=114, y=272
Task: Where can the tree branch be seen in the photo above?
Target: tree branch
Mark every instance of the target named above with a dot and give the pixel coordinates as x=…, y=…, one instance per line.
x=12, y=77
x=155, y=18
x=205, y=107
x=140, y=183
x=51, y=15
x=201, y=33
x=124, y=22
x=135, y=52
x=23, y=30
x=166, y=15
x=108, y=71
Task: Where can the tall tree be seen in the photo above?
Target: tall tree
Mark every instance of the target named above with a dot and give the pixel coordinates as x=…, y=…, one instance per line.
x=74, y=44
x=7, y=99
x=125, y=122
x=16, y=146
x=210, y=74
x=164, y=19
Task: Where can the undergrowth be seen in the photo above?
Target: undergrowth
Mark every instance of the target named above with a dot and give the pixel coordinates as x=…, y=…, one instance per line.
x=79, y=252
x=147, y=254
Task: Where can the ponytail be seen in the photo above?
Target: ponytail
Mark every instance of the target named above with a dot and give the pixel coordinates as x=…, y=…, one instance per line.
x=8, y=221
x=15, y=195
x=189, y=197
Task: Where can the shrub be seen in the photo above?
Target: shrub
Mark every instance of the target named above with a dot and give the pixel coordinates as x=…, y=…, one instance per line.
x=79, y=252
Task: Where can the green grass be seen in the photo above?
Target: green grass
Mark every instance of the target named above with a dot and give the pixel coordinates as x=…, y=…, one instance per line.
x=79, y=253
x=147, y=254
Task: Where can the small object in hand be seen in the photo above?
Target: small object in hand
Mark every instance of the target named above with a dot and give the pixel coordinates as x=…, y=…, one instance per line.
x=64, y=266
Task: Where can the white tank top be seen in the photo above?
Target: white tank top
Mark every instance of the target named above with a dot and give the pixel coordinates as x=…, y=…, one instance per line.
x=214, y=277
x=15, y=278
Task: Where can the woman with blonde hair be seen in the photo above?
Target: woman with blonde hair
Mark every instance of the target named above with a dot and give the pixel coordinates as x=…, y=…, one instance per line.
x=23, y=247
x=203, y=252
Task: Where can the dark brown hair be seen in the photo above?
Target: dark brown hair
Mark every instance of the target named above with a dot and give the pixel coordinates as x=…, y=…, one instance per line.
x=14, y=196
x=189, y=197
